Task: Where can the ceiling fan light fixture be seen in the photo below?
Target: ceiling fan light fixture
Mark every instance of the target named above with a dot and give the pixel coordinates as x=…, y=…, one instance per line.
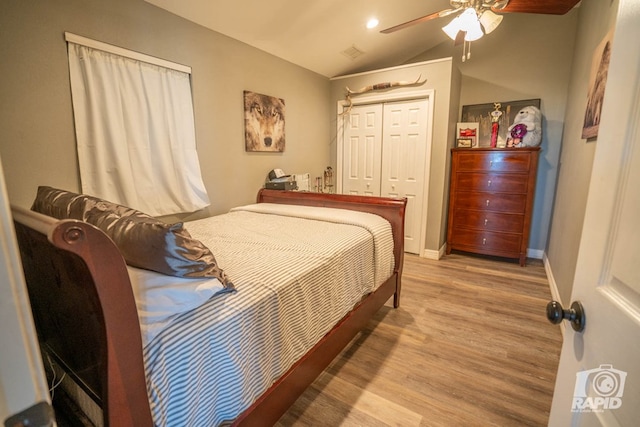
x=490, y=21
x=453, y=28
x=470, y=24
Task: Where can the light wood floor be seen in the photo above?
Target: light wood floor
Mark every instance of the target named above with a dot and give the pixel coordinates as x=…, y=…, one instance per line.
x=469, y=346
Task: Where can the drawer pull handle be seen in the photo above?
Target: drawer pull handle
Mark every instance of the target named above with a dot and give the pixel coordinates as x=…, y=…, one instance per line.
x=486, y=221
x=484, y=241
x=490, y=163
x=488, y=202
x=489, y=183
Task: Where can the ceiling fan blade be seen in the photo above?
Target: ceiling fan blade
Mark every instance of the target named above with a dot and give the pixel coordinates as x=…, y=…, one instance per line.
x=418, y=21
x=548, y=7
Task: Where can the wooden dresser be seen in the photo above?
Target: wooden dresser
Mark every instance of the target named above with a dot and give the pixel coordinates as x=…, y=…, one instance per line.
x=491, y=200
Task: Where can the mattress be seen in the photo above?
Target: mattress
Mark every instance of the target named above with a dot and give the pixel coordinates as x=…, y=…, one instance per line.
x=297, y=271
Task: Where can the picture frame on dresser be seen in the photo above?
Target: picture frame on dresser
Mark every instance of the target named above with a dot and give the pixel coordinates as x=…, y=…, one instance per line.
x=464, y=143
x=467, y=134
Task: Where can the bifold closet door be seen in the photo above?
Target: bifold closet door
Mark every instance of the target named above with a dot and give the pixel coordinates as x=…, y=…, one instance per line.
x=404, y=151
x=362, y=150
x=384, y=154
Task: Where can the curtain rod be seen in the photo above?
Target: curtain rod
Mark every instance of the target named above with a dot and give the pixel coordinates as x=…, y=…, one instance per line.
x=94, y=44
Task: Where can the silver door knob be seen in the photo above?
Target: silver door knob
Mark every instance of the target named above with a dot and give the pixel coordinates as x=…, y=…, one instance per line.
x=575, y=314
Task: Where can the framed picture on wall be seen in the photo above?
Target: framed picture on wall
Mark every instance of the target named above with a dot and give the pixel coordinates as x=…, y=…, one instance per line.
x=481, y=113
x=597, y=83
x=263, y=122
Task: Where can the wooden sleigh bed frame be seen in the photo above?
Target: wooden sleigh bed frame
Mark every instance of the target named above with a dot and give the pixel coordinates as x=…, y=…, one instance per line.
x=81, y=298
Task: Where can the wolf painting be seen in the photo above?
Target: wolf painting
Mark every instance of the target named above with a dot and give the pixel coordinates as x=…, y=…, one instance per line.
x=263, y=122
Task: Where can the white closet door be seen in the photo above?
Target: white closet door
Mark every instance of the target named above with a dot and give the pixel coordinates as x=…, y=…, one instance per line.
x=362, y=150
x=404, y=152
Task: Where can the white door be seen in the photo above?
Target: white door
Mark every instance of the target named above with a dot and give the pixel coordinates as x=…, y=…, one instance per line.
x=362, y=150
x=385, y=154
x=598, y=380
x=22, y=380
x=404, y=151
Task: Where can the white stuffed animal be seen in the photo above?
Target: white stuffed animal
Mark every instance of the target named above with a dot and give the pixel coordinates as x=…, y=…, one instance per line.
x=526, y=130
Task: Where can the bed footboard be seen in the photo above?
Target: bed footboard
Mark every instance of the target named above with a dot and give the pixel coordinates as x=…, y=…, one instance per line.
x=275, y=401
x=84, y=310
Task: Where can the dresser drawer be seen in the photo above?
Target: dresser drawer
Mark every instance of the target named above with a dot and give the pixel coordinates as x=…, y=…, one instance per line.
x=491, y=221
x=486, y=241
x=498, y=182
x=495, y=161
x=515, y=203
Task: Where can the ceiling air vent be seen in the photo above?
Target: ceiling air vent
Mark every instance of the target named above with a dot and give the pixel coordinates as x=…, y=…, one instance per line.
x=352, y=52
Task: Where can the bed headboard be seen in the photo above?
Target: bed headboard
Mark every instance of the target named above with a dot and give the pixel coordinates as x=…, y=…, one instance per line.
x=70, y=264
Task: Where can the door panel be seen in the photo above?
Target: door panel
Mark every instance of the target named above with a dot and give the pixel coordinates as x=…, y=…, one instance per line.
x=404, y=162
x=363, y=140
x=598, y=381
x=23, y=383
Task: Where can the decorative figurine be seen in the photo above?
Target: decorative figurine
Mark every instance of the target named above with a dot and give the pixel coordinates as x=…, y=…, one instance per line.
x=328, y=179
x=495, y=118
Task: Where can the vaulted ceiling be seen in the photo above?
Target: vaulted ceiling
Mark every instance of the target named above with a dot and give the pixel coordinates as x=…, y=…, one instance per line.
x=329, y=37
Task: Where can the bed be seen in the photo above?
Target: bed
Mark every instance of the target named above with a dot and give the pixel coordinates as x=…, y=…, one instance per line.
x=89, y=318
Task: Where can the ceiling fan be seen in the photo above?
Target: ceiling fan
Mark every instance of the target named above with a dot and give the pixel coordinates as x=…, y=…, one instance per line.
x=487, y=7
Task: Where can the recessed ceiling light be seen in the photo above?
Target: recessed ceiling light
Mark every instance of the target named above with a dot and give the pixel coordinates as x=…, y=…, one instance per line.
x=372, y=23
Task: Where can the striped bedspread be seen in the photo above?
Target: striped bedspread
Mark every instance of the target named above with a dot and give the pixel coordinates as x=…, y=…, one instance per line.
x=297, y=271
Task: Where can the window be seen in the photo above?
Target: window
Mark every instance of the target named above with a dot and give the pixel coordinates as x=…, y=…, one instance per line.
x=134, y=128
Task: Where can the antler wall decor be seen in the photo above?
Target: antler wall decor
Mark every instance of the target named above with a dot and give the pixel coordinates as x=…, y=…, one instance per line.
x=377, y=87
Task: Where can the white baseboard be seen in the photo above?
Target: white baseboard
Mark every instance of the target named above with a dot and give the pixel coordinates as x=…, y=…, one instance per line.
x=431, y=254
x=535, y=253
x=553, y=286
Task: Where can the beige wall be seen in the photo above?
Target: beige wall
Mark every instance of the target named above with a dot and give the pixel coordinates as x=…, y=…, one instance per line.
x=595, y=20
x=37, y=142
x=444, y=80
x=528, y=56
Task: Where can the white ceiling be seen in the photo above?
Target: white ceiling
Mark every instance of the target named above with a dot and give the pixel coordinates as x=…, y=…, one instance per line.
x=315, y=33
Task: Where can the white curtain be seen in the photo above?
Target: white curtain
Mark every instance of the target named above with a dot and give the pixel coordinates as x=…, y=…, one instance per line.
x=135, y=132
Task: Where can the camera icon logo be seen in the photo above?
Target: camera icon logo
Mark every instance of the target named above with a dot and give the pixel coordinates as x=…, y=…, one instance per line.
x=598, y=389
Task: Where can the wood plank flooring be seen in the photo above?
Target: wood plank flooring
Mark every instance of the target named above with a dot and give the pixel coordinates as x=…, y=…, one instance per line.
x=469, y=346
